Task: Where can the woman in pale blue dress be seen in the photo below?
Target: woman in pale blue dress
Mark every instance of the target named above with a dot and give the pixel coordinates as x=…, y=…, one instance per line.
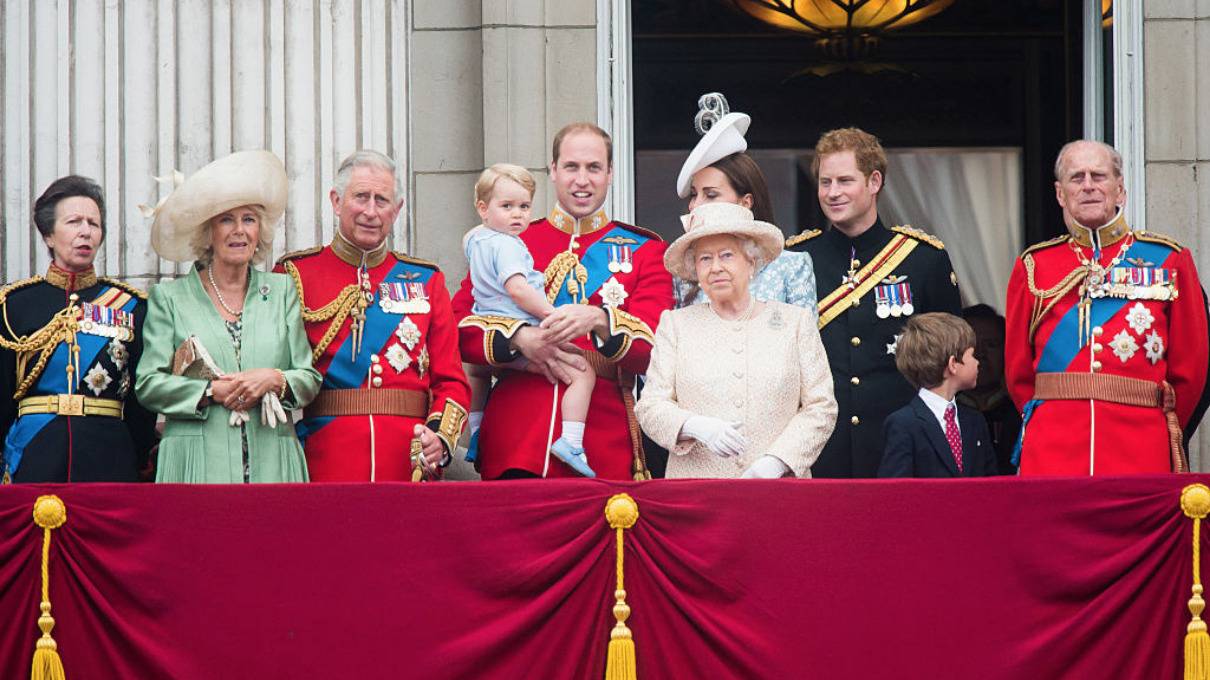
x=718, y=169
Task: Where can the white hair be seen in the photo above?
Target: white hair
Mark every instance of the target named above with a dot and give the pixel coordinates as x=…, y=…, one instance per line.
x=1114, y=156
x=751, y=251
x=366, y=158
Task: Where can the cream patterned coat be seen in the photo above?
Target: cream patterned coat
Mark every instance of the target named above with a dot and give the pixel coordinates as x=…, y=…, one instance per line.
x=769, y=372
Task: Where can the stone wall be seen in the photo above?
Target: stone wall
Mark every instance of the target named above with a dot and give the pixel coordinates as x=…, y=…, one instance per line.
x=491, y=81
x=1176, y=63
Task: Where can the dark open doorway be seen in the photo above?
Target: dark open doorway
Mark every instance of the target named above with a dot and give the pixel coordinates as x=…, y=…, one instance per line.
x=981, y=74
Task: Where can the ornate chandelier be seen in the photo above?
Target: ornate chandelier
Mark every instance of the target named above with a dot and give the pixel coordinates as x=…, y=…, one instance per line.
x=843, y=28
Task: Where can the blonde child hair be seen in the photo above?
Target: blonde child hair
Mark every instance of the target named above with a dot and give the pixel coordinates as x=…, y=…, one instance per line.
x=486, y=183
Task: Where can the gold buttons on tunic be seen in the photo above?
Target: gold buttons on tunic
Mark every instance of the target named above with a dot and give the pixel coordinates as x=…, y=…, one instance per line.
x=1097, y=347
x=374, y=358
x=856, y=302
x=376, y=382
x=855, y=341
x=377, y=368
x=1096, y=365
x=1097, y=331
x=855, y=380
x=855, y=420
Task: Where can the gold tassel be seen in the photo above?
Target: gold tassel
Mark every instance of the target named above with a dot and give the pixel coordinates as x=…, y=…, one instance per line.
x=1195, y=503
x=621, y=512
x=50, y=514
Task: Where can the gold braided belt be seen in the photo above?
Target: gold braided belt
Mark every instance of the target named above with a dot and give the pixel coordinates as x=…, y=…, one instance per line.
x=1118, y=389
x=361, y=402
x=70, y=405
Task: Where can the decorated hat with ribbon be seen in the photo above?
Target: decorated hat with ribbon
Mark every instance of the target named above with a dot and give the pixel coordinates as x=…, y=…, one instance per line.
x=713, y=219
x=722, y=135
x=243, y=178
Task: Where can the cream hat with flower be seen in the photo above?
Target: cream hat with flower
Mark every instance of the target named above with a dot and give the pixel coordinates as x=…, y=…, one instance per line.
x=712, y=219
x=243, y=178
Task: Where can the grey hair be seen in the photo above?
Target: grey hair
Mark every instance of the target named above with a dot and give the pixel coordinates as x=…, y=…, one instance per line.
x=746, y=244
x=1113, y=155
x=366, y=158
x=202, y=241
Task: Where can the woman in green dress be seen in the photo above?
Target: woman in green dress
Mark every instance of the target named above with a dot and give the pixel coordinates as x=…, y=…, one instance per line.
x=226, y=423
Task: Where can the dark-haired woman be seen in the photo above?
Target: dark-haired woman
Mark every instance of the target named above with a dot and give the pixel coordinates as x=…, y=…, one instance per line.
x=69, y=343
x=718, y=169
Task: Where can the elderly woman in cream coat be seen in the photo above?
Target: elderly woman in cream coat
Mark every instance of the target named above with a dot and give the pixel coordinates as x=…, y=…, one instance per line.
x=736, y=387
x=227, y=425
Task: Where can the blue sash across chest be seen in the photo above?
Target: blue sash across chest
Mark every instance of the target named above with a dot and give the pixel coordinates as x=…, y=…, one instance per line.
x=596, y=260
x=54, y=381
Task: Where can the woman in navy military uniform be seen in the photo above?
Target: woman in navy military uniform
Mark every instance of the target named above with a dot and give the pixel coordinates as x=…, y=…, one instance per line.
x=69, y=342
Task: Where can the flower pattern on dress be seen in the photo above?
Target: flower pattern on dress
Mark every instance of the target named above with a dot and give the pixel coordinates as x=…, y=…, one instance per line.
x=97, y=379
x=398, y=358
x=1124, y=346
x=613, y=293
x=1139, y=318
x=1154, y=347
x=118, y=354
x=408, y=333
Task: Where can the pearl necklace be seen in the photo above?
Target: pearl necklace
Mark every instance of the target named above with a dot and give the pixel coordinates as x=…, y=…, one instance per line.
x=743, y=316
x=219, y=294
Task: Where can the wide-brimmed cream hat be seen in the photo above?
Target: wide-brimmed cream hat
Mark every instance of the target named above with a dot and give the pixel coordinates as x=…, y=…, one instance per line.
x=712, y=219
x=243, y=178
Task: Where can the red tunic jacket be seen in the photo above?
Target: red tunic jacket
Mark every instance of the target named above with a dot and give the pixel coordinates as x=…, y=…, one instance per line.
x=623, y=271
x=413, y=350
x=1132, y=329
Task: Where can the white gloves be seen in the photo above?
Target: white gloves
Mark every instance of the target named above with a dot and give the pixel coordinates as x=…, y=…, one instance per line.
x=271, y=412
x=766, y=467
x=723, y=438
x=238, y=418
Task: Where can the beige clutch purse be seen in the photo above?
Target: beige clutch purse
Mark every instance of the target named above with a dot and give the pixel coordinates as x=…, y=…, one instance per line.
x=193, y=361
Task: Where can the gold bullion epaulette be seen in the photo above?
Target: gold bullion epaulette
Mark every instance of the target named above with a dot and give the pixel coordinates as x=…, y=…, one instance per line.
x=804, y=236
x=1058, y=240
x=15, y=285
x=137, y=292
x=1152, y=237
x=644, y=231
x=919, y=235
x=294, y=255
x=404, y=257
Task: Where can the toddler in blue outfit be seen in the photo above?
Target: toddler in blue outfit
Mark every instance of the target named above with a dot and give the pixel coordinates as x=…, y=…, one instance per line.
x=505, y=283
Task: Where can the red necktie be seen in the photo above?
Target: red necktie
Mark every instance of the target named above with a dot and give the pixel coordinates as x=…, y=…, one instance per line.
x=952, y=436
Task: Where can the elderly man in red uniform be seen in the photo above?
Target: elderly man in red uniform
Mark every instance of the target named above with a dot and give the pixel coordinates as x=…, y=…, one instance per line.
x=1106, y=348
x=608, y=283
x=382, y=335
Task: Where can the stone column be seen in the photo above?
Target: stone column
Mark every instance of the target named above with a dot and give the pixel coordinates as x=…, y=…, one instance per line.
x=492, y=81
x=1176, y=63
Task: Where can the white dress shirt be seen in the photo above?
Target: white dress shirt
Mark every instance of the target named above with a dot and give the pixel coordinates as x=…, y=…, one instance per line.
x=937, y=404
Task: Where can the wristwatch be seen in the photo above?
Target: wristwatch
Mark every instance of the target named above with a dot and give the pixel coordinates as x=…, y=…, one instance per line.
x=209, y=393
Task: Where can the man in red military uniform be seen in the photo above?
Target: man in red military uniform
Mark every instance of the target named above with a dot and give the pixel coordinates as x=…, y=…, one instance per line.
x=383, y=337
x=615, y=273
x=1106, y=347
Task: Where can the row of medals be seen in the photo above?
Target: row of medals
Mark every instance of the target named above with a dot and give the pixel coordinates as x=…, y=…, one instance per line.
x=1099, y=287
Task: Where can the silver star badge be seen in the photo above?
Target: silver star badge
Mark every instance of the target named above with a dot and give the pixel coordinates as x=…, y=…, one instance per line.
x=97, y=379
x=408, y=332
x=893, y=344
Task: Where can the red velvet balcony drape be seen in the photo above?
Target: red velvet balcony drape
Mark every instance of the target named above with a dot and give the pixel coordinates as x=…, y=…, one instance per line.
x=997, y=578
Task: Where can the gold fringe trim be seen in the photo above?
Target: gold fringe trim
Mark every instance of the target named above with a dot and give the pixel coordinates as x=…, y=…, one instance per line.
x=621, y=511
x=50, y=514
x=1195, y=503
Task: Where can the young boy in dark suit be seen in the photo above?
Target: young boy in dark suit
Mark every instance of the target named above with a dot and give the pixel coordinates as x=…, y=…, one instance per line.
x=933, y=436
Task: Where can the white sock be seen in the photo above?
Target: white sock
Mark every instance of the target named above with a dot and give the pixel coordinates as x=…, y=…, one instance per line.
x=573, y=432
x=475, y=419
